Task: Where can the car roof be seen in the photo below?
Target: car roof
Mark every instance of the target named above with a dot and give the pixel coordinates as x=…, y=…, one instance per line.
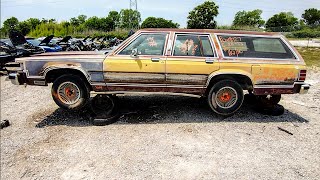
x=208, y=31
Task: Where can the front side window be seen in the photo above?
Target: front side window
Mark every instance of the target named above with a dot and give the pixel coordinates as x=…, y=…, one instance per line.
x=147, y=44
x=254, y=47
x=193, y=45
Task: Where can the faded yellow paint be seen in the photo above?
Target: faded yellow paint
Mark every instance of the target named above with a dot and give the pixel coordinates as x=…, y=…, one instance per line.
x=264, y=73
x=137, y=65
x=258, y=73
x=276, y=73
x=187, y=65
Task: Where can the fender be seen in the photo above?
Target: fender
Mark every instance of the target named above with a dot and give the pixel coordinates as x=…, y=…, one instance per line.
x=229, y=72
x=54, y=66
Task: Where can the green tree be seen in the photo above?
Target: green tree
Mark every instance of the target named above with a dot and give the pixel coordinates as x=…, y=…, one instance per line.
x=10, y=23
x=24, y=27
x=74, y=21
x=33, y=22
x=82, y=18
x=106, y=24
x=114, y=16
x=102, y=24
x=153, y=22
x=312, y=17
x=44, y=21
x=249, y=18
x=282, y=22
x=92, y=23
x=52, y=21
x=202, y=16
x=129, y=18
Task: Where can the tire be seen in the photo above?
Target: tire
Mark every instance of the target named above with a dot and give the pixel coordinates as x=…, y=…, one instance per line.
x=105, y=109
x=276, y=110
x=268, y=101
x=70, y=92
x=225, y=97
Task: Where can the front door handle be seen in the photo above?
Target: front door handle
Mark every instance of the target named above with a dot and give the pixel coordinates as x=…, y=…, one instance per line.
x=155, y=59
x=209, y=61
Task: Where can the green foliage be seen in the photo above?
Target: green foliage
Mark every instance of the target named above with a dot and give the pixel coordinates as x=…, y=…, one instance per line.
x=202, y=16
x=153, y=22
x=76, y=21
x=114, y=16
x=244, y=28
x=306, y=33
x=282, y=22
x=249, y=18
x=10, y=23
x=33, y=22
x=100, y=24
x=24, y=27
x=312, y=17
x=129, y=19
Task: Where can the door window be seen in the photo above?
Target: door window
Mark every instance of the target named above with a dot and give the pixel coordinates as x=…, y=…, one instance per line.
x=193, y=45
x=147, y=44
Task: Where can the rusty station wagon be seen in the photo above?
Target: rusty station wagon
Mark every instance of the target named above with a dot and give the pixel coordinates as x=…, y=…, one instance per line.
x=217, y=64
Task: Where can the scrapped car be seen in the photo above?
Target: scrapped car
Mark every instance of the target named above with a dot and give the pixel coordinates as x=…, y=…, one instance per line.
x=220, y=65
x=7, y=54
x=22, y=46
x=45, y=44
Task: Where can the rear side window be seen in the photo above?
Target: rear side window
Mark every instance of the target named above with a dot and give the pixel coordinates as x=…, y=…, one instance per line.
x=193, y=45
x=254, y=47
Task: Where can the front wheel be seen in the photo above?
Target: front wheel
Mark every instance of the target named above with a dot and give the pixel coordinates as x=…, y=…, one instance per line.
x=225, y=97
x=70, y=92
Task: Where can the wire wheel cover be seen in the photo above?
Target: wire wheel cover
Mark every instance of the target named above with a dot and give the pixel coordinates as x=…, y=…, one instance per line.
x=226, y=97
x=69, y=93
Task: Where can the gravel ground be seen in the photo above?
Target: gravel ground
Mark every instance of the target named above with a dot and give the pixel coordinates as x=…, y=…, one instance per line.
x=158, y=137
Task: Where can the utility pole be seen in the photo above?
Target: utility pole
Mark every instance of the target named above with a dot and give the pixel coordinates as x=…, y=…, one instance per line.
x=133, y=7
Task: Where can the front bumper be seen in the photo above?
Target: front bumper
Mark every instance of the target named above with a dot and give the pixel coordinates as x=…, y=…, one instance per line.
x=17, y=78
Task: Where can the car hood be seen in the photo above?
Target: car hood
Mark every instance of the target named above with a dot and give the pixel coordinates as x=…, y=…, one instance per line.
x=65, y=39
x=46, y=40
x=17, y=38
x=66, y=56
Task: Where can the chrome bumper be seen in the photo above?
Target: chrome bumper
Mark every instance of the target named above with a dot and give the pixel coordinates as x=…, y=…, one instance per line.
x=304, y=88
x=14, y=78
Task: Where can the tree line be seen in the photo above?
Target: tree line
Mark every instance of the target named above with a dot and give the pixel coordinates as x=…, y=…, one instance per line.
x=201, y=17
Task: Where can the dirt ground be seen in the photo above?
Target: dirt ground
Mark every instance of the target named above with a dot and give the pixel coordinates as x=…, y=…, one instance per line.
x=159, y=137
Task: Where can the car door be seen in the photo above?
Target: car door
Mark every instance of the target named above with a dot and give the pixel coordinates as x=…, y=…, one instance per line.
x=146, y=68
x=192, y=60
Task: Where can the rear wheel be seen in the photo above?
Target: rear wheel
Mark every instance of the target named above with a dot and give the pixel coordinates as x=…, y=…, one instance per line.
x=225, y=97
x=70, y=92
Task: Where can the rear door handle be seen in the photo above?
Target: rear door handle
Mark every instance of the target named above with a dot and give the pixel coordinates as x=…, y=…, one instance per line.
x=155, y=59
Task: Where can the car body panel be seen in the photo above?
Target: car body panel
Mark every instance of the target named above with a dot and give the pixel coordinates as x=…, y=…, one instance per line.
x=168, y=73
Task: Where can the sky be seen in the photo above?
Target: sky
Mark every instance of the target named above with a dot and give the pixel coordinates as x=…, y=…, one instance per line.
x=176, y=10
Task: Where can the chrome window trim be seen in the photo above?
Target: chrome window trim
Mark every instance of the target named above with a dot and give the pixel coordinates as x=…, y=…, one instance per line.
x=214, y=49
x=263, y=36
x=136, y=37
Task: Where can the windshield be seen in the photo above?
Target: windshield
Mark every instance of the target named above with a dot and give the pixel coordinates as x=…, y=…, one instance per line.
x=34, y=42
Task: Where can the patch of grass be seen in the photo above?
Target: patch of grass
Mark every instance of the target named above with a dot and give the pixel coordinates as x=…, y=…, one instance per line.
x=310, y=55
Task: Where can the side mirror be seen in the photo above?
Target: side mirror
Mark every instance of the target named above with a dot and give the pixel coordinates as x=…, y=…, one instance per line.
x=134, y=53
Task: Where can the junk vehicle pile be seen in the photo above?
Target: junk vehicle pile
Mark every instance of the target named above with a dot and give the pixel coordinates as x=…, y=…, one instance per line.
x=218, y=65
x=19, y=46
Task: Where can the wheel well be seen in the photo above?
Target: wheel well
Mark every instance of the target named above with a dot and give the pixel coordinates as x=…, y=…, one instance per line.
x=244, y=81
x=52, y=75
